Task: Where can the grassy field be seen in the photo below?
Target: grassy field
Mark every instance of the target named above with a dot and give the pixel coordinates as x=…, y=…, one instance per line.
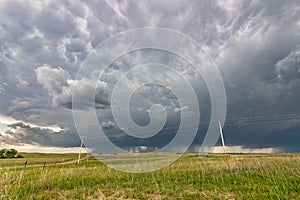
x=37, y=159
x=190, y=177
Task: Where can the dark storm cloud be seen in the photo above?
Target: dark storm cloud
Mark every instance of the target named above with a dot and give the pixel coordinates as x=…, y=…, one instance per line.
x=255, y=44
x=260, y=72
x=18, y=125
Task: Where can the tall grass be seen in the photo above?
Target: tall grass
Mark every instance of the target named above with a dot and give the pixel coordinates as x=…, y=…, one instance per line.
x=190, y=177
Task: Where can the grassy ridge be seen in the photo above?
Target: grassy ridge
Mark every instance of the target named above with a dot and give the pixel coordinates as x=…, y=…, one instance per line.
x=190, y=177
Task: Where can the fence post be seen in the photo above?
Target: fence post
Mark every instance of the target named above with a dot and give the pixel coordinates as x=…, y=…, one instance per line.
x=44, y=165
x=25, y=164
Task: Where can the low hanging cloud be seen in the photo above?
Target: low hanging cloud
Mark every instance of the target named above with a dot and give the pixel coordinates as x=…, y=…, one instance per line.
x=60, y=87
x=21, y=133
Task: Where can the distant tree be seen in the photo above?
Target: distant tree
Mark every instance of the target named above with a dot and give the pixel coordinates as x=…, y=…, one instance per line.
x=9, y=153
x=2, y=151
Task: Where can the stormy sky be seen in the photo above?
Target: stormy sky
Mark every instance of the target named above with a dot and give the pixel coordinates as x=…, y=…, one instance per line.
x=254, y=44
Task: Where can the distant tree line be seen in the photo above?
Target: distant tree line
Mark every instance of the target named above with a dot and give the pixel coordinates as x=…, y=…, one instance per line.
x=9, y=153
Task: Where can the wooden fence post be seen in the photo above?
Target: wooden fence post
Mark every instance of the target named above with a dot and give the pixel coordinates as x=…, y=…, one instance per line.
x=25, y=164
x=44, y=165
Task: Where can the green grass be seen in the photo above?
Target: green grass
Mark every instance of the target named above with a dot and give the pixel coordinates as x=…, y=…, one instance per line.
x=37, y=159
x=190, y=177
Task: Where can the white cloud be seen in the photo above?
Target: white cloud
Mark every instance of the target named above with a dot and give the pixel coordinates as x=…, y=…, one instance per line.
x=2, y=87
x=180, y=109
x=42, y=149
x=60, y=87
x=288, y=67
x=21, y=83
x=6, y=119
x=241, y=149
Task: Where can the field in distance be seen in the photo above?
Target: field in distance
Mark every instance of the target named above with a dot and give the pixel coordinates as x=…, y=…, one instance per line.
x=190, y=177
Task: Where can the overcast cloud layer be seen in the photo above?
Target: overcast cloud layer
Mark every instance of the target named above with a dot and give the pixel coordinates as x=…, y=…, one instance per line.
x=255, y=44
